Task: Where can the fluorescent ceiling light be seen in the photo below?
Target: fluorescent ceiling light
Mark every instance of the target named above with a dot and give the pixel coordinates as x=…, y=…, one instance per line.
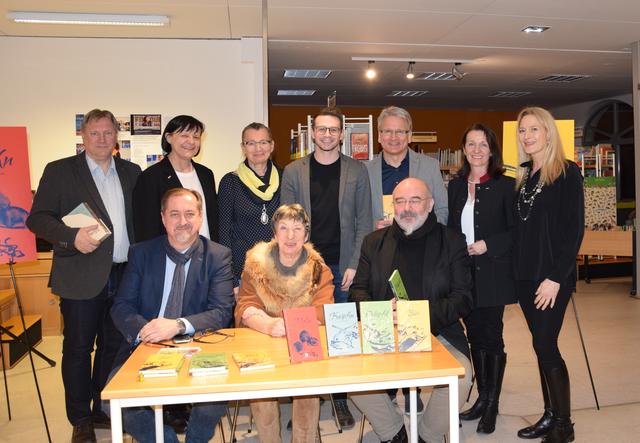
x=563, y=78
x=535, y=29
x=306, y=73
x=296, y=91
x=509, y=94
x=63, y=18
x=436, y=76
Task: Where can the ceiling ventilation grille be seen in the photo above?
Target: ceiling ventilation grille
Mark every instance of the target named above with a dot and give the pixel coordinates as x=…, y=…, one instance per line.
x=435, y=76
x=563, y=78
x=306, y=73
x=296, y=91
x=407, y=93
x=509, y=94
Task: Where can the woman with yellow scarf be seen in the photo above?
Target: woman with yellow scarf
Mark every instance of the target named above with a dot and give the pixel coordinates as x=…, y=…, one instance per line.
x=248, y=197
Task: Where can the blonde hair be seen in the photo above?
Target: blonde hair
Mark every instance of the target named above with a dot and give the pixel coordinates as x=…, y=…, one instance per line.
x=554, y=162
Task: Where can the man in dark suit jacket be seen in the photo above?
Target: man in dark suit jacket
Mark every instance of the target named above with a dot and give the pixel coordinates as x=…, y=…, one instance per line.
x=433, y=262
x=174, y=284
x=86, y=270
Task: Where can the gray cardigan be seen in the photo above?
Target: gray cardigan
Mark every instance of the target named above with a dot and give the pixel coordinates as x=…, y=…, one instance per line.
x=354, y=202
x=420, y=166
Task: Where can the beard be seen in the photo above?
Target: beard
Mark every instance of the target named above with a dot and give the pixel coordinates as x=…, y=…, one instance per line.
x=183, y=233
x=410, y=226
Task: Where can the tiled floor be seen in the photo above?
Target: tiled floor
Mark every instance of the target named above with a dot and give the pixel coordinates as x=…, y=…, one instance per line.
x=610, y=321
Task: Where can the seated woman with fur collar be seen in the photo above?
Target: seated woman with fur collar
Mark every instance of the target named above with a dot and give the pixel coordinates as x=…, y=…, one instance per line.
x=284, y=273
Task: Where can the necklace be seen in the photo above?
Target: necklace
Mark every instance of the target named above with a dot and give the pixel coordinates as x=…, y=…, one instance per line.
x=264, y=218
x=528, y=198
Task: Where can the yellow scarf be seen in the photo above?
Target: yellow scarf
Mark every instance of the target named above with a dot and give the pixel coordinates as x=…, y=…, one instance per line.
x=251, y=181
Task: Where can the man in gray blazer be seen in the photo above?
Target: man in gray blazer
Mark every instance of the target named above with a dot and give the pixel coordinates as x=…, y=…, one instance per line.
x=334, y=190
x=397, y=162
x=86, y=270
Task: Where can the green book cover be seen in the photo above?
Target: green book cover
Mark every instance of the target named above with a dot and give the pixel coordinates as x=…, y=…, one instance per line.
x=397, y=286
x=414, y=326
x=376, y=318
x=208, y=363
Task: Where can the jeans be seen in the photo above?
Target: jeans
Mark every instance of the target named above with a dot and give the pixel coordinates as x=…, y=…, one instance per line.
x=140, y=422
x=339, y=296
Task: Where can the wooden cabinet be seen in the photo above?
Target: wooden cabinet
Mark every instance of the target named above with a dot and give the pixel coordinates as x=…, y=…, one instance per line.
x=36, y=297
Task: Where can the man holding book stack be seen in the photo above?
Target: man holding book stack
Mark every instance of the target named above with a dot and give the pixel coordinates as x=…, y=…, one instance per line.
x=88, y=260
x=433, y=263
x=195, y=293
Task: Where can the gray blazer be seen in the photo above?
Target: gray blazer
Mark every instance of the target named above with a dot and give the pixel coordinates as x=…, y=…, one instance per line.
x=420, y=166
x=64, y=185
x=354, y=202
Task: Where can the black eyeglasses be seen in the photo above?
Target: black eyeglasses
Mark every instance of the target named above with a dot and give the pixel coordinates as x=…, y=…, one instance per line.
x=198, y=338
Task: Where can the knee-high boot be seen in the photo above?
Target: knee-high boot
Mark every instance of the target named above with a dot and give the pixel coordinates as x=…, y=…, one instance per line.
x=561, y=430
x=495, y=364
x=542, y=426
x=479, y=359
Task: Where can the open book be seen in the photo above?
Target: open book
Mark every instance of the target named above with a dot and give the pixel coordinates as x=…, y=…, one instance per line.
x=82, y=216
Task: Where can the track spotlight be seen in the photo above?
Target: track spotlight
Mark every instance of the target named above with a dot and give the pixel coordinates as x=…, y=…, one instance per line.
x=456, y=72
x=410, y=74
x=371, y=72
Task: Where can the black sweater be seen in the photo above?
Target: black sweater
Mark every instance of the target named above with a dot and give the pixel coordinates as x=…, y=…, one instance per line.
x=546, y=244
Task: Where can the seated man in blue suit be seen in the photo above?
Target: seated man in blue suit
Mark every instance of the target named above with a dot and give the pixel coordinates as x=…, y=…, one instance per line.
x=178, y=283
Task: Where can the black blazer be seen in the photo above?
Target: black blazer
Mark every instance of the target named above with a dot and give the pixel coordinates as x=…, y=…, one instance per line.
x=151, y=186
x=494, y=223
x=446, y=280
x=64, y=185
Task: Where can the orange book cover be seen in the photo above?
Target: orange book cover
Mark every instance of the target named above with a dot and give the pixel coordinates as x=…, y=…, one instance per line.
x=303, y=334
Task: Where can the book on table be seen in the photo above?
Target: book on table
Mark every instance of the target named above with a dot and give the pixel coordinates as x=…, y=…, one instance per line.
x=376, y=319
x=341, y=325
x=397, y=286
x=414, y=325
x=209, y=363
x=82, y=216
x=303, y=334
x=251, y=361
x=161, y=365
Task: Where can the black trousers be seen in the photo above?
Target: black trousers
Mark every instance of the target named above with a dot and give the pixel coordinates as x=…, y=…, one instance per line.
x=88, y=322
x=544, y=325
x=484, y=329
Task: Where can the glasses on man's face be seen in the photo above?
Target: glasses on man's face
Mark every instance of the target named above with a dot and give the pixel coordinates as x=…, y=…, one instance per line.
x=392, y=132
x=334, y=130
x=253, y=143
x=414, y=201
x=198, y=338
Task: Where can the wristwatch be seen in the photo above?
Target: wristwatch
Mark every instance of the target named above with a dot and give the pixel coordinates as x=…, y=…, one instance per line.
x=182, y=328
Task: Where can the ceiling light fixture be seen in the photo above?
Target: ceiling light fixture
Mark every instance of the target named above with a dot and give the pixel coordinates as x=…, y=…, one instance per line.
x=457, y=72
x=535, y=29
x=63, y=18
x=371, y=72
x=410, y=74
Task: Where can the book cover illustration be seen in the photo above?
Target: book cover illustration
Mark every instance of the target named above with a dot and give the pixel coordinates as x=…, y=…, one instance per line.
x=397, y=286
x=343, y=336
x=82, y=216
x=303, y=334
x=207, y=363
x=251, y=361
x=161, y=365
x=414, y=326
x=376, y=318
x=360, y=145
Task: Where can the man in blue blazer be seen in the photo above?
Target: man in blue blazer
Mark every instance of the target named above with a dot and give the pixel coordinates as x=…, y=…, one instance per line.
x=86, y=269
x=397, y=162
x=179, y=283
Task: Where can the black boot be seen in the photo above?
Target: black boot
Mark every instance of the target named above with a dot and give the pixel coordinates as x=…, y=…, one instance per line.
x=479, y=359
x=542, y=426
x=560, y=396
x=495, y=364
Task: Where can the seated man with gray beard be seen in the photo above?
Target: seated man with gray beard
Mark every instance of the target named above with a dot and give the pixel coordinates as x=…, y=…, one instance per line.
x=434, y=265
